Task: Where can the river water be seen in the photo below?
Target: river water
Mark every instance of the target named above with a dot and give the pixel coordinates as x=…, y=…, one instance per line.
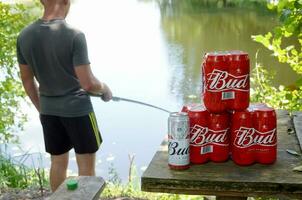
x=150, y=51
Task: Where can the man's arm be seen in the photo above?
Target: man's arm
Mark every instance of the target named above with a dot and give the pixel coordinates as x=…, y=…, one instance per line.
x=90, y=83
x=30, y=85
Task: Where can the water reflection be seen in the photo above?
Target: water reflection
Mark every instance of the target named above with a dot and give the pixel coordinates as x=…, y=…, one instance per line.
x=192, y=28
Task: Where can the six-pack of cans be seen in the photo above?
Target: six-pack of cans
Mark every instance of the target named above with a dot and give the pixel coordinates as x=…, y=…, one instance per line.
x=254, y=135
x=225, y=125
x=209, y=134
x=225, y=81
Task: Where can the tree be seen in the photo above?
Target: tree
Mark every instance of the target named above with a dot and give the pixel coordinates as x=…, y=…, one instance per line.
x=13, y=18
x=289, y=30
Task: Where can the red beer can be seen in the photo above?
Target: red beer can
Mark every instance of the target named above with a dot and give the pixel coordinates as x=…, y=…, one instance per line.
x=209, y=135
x=225, y=81
x=266, y=124
x=254, y=135
x=239, y=70
x=214, y=69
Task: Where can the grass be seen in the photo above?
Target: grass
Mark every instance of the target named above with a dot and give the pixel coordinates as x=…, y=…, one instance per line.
x=132, y=189
x=14, y=173
x=129, y=190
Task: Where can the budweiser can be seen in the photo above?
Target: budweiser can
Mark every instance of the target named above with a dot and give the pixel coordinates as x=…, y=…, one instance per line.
x=214, y=69
x=239, y=70
x=254, y=135
x=225, y=81
x=178, y=139
x=209, y=135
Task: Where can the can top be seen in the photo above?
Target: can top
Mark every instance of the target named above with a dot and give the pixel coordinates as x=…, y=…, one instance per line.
x=260, y=107
x=225, y=55
x=215, y=56
x=256, y=106
x=239, y=55
x=179, y=115
x=198, y=108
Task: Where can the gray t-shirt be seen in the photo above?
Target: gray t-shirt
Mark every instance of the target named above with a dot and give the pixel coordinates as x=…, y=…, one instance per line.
x=53, y=49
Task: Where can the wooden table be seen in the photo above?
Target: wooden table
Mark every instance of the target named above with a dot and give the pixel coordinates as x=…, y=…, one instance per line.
x=230, y=181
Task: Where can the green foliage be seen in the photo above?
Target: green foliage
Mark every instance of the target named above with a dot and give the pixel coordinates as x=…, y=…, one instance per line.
x=277, y=97
x=132, y=189
x=14, y=174
x=129, y=190
x=113, y=175
x=13, y=18
x=197, y=5
x=289, y=30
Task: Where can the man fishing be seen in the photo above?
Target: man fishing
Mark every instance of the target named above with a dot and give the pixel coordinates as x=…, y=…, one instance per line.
x=55, y=54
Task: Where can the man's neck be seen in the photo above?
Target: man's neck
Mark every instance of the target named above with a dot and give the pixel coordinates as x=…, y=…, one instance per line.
x=50, y=14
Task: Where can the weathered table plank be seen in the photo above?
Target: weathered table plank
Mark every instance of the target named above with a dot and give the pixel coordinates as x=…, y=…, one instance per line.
x=229, y=179
x=89, y=188
x=297, y=118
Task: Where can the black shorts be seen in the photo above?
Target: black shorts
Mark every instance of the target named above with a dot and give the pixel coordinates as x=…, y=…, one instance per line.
x=64, y=133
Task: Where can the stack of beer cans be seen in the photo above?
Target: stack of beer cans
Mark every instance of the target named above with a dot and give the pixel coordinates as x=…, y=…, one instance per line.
x=225, y=125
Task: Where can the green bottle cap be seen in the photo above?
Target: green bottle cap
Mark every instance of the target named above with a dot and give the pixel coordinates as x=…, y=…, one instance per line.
x=72, y=184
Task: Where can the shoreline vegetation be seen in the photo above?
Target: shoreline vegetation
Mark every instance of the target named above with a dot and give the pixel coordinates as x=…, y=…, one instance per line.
x=18, y=181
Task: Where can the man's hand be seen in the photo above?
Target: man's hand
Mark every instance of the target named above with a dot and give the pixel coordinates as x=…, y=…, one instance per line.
x=107, y=94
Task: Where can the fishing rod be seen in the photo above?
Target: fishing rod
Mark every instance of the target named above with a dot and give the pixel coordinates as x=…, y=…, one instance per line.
x=116, y=99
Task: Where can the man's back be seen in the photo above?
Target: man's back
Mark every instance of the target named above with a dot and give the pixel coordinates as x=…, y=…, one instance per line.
x=52, y=49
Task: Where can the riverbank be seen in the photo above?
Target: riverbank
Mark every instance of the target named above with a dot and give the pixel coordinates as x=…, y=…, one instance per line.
x=35, y=194
x=24, y=194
